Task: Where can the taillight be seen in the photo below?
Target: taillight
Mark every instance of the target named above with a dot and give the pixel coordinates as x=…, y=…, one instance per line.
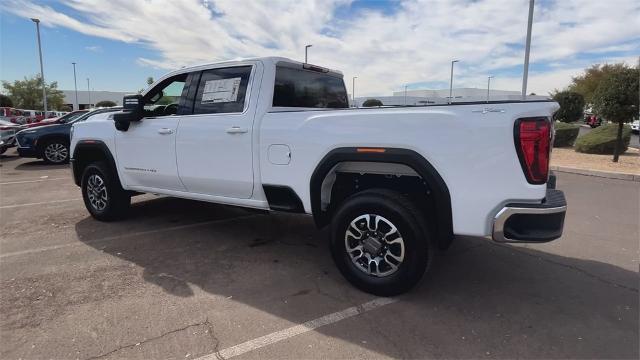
x=533, y=144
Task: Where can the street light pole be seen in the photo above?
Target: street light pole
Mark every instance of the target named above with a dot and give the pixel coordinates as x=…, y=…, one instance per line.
x=451, y=82
x=75, y=84
x=44, y=91
x=527, y=50
x=488, y=86
x=306, y=53
x=89, y=91
x=353, y=90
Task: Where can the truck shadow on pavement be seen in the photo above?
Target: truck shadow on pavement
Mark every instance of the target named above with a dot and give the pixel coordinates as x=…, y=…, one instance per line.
x=479, y=300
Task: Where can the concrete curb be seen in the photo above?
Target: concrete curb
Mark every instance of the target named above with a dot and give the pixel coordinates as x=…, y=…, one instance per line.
x=602, y=174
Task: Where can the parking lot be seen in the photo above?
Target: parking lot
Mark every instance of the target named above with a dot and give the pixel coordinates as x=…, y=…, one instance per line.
x=182, y=279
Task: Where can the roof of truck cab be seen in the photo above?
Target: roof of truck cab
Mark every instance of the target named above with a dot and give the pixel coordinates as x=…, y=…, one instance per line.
x=266, y=59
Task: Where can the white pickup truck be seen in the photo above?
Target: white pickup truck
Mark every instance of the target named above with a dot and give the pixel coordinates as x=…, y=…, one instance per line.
x=394, y=184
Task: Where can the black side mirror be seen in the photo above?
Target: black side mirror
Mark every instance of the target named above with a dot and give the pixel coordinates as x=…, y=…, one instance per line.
x=133, y=110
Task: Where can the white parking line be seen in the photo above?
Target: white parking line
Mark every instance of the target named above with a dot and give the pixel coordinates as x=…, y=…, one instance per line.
x=32, y=181
x=38, y=203
x=127, y=235
x=297, y=330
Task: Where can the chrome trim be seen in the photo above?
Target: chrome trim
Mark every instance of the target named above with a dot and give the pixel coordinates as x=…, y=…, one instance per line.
x=501, y=218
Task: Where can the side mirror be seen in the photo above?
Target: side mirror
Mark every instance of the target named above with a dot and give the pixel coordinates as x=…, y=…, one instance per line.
x=133, y=110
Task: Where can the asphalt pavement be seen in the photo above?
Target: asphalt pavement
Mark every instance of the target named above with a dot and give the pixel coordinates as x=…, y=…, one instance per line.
x=181, y=279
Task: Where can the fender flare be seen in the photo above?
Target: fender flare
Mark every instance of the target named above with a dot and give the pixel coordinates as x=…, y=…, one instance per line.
x=417, y=162
x=92, y=145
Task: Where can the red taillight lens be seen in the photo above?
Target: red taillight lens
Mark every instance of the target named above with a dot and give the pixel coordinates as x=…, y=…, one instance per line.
x=533, y=144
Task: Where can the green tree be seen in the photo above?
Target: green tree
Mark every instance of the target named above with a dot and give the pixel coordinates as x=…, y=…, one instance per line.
x=587, y=83
x=27, y=94
x=372, y=102
x=5, y=101
x=616, y=99
x=105, y=103
x=571, y=106
x=150, y=80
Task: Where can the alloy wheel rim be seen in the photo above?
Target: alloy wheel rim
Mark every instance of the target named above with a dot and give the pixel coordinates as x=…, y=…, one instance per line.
x=374, y=245
x=97, y=192
x=56, y=152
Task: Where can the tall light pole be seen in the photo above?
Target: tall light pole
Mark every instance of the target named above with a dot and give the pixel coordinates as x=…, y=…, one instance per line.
x=451, y=81
x=488, y=86
x=527, y=50
x=89, y=91
x=306, y=53
x=44, y=91
x=75, y=84
x=353, y=90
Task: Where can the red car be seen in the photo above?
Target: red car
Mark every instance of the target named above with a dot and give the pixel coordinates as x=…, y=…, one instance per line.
x=59, y=120
x=594, y=121
x=12, y=115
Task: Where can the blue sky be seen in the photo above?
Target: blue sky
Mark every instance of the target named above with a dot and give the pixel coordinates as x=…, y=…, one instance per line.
x=387, y=44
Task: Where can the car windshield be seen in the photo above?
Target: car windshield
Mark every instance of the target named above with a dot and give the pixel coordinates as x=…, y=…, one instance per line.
x=94, y=112
x=71, y=116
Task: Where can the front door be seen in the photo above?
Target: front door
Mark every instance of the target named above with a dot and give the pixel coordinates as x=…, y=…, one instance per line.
x=214, y=145
x=146, y=151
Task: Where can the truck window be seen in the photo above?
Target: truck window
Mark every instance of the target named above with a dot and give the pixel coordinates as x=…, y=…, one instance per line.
x=310, y=89
x=222, y=90
x=164, y=98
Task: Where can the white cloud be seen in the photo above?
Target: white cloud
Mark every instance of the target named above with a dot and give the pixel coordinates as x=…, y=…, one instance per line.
x=413, y=44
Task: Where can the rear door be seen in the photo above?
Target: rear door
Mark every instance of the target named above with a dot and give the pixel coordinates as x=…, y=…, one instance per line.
x=214, y=145
x=146, y=151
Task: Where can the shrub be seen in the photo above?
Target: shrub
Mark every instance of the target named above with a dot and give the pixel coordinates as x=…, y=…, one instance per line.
x=566, y=134
x=571, y=106
x=602, y=140
x=371, y=102
x=105, y=103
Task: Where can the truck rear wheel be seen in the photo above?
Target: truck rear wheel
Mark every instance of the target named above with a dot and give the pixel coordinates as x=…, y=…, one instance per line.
x=103, y=196
x=380, y=242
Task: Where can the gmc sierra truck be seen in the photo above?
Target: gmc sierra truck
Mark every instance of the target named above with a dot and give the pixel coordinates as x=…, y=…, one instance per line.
x=395, y=184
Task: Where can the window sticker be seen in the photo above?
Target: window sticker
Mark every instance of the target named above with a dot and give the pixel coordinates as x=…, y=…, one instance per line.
x=223, y=90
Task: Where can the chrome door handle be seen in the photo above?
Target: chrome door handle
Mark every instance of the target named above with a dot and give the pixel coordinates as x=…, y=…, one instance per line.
x=236, y=130
x=165, y=131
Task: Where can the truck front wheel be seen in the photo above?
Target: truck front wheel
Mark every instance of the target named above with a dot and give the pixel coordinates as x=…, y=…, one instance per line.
x=103, y=196
x=380, y=242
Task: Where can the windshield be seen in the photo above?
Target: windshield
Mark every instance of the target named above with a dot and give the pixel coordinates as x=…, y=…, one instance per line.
x=71, y=116
x=91, y=113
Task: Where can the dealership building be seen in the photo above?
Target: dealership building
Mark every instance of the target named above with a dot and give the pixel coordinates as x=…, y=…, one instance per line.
x=441, y=96
x=86, y=99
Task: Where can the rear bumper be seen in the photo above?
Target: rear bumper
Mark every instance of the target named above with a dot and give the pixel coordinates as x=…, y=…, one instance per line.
x=533, y=223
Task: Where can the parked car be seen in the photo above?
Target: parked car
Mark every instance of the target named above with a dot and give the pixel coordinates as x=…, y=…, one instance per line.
x=635, y=126
x=275, y=134
x=8, y=132
x=12, y=115
x=51, y=142
x=59, y=120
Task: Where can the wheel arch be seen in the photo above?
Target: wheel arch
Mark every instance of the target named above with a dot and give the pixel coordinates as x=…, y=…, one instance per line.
x=410, y=158
x=88, y=151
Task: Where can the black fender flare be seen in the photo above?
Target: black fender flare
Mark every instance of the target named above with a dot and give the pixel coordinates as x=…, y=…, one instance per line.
x=84, y=145
x=417, y=162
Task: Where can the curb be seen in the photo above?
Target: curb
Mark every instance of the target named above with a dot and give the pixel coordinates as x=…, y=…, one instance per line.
x=602, y=174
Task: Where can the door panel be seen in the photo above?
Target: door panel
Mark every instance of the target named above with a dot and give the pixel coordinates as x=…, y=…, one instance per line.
x=146, y=153
x=214, y=145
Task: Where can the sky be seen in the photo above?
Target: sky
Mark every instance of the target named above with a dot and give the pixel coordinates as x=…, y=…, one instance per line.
x=386, y=44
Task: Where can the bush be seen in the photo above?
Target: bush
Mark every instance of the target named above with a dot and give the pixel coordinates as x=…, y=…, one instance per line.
x=105, y=103
x=371, y=102
x=571, y=106
x=602, y=140
x=566, y=134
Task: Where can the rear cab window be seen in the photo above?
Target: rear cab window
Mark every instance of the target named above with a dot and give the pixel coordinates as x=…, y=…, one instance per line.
x=298, y=87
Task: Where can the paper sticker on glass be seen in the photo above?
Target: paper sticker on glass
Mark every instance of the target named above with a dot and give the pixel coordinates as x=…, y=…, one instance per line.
x=223, y=90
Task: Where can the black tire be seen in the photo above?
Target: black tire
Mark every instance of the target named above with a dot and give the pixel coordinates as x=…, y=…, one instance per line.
x=419, y=248
x=55, y=151
x=111, y=207
x=3, y=149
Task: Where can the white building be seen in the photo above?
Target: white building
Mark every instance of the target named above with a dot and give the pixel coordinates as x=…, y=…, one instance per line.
x=87, y=99
x=441, y=96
